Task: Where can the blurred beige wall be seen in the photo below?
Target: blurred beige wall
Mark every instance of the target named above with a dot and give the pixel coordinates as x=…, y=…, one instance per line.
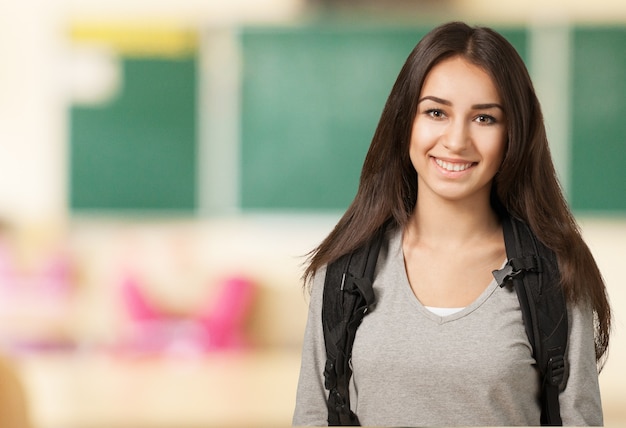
x=528, y=11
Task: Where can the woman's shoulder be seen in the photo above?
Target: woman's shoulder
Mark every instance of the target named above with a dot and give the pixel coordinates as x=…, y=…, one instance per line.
x=392, y=244
x=315, y=287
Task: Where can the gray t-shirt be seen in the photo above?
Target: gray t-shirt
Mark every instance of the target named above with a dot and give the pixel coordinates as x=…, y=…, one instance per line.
x=412, y=367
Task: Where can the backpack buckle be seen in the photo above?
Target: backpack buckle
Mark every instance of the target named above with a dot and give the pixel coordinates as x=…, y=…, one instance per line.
x=330, y=375
x=555, y=370
x=505, y=274
x=514, y=267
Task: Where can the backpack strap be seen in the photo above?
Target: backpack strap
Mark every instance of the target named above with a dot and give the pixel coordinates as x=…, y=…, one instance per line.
x=348, y=296
x=533, y=270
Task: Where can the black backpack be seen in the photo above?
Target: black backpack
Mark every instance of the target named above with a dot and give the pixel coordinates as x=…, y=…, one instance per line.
x=531, y=269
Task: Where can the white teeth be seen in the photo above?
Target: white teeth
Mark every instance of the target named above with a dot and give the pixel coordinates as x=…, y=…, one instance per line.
x=453, y=166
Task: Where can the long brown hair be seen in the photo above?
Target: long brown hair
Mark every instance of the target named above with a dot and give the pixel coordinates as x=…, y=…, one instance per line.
x=526, y=185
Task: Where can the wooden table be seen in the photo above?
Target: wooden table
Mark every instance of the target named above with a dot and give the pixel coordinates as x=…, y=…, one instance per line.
x=90, y=390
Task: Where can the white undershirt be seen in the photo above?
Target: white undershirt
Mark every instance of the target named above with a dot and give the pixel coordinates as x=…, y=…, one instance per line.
x=443, y=312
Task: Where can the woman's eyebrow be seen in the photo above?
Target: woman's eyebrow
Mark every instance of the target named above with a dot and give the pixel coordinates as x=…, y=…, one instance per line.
x=484, y=106
x=435, y=99
x=487, y=106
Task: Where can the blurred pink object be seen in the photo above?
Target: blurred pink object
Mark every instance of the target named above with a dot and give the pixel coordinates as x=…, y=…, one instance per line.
x=137, y=305
x=39, y=295
x=224, y=317
x=218, y=325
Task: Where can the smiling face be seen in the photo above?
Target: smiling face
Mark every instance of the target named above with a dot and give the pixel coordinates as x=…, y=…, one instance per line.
x=459, y=133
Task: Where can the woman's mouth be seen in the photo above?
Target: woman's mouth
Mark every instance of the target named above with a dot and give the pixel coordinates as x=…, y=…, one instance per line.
x=454, y=166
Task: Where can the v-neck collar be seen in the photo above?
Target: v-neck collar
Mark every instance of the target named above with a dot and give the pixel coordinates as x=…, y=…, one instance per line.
x=395, y=246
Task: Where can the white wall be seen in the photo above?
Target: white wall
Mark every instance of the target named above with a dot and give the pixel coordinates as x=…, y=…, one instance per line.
x=32, y=115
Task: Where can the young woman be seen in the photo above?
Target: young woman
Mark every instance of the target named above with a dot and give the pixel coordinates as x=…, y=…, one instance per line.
x=461, y=132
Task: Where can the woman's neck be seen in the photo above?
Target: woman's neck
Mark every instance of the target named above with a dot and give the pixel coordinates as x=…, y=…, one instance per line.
x=451, y=223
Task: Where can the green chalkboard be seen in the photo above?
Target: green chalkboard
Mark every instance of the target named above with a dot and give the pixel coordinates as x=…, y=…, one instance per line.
x=598, y=182
x=138, y=152
x=311, y=100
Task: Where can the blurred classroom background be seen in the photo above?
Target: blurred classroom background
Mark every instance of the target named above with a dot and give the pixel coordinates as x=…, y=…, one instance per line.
x=166, y=166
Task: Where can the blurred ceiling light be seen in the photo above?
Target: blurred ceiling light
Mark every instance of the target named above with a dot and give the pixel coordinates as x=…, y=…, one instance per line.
x=94, y=75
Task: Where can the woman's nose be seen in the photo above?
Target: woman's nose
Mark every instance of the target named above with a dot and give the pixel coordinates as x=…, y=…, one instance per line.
x=456, y=136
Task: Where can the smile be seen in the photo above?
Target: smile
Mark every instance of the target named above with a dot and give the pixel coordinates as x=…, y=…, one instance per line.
x=453, y=166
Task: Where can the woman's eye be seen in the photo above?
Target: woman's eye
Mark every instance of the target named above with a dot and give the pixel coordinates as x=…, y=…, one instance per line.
x=435, y=113
x=485, y=118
